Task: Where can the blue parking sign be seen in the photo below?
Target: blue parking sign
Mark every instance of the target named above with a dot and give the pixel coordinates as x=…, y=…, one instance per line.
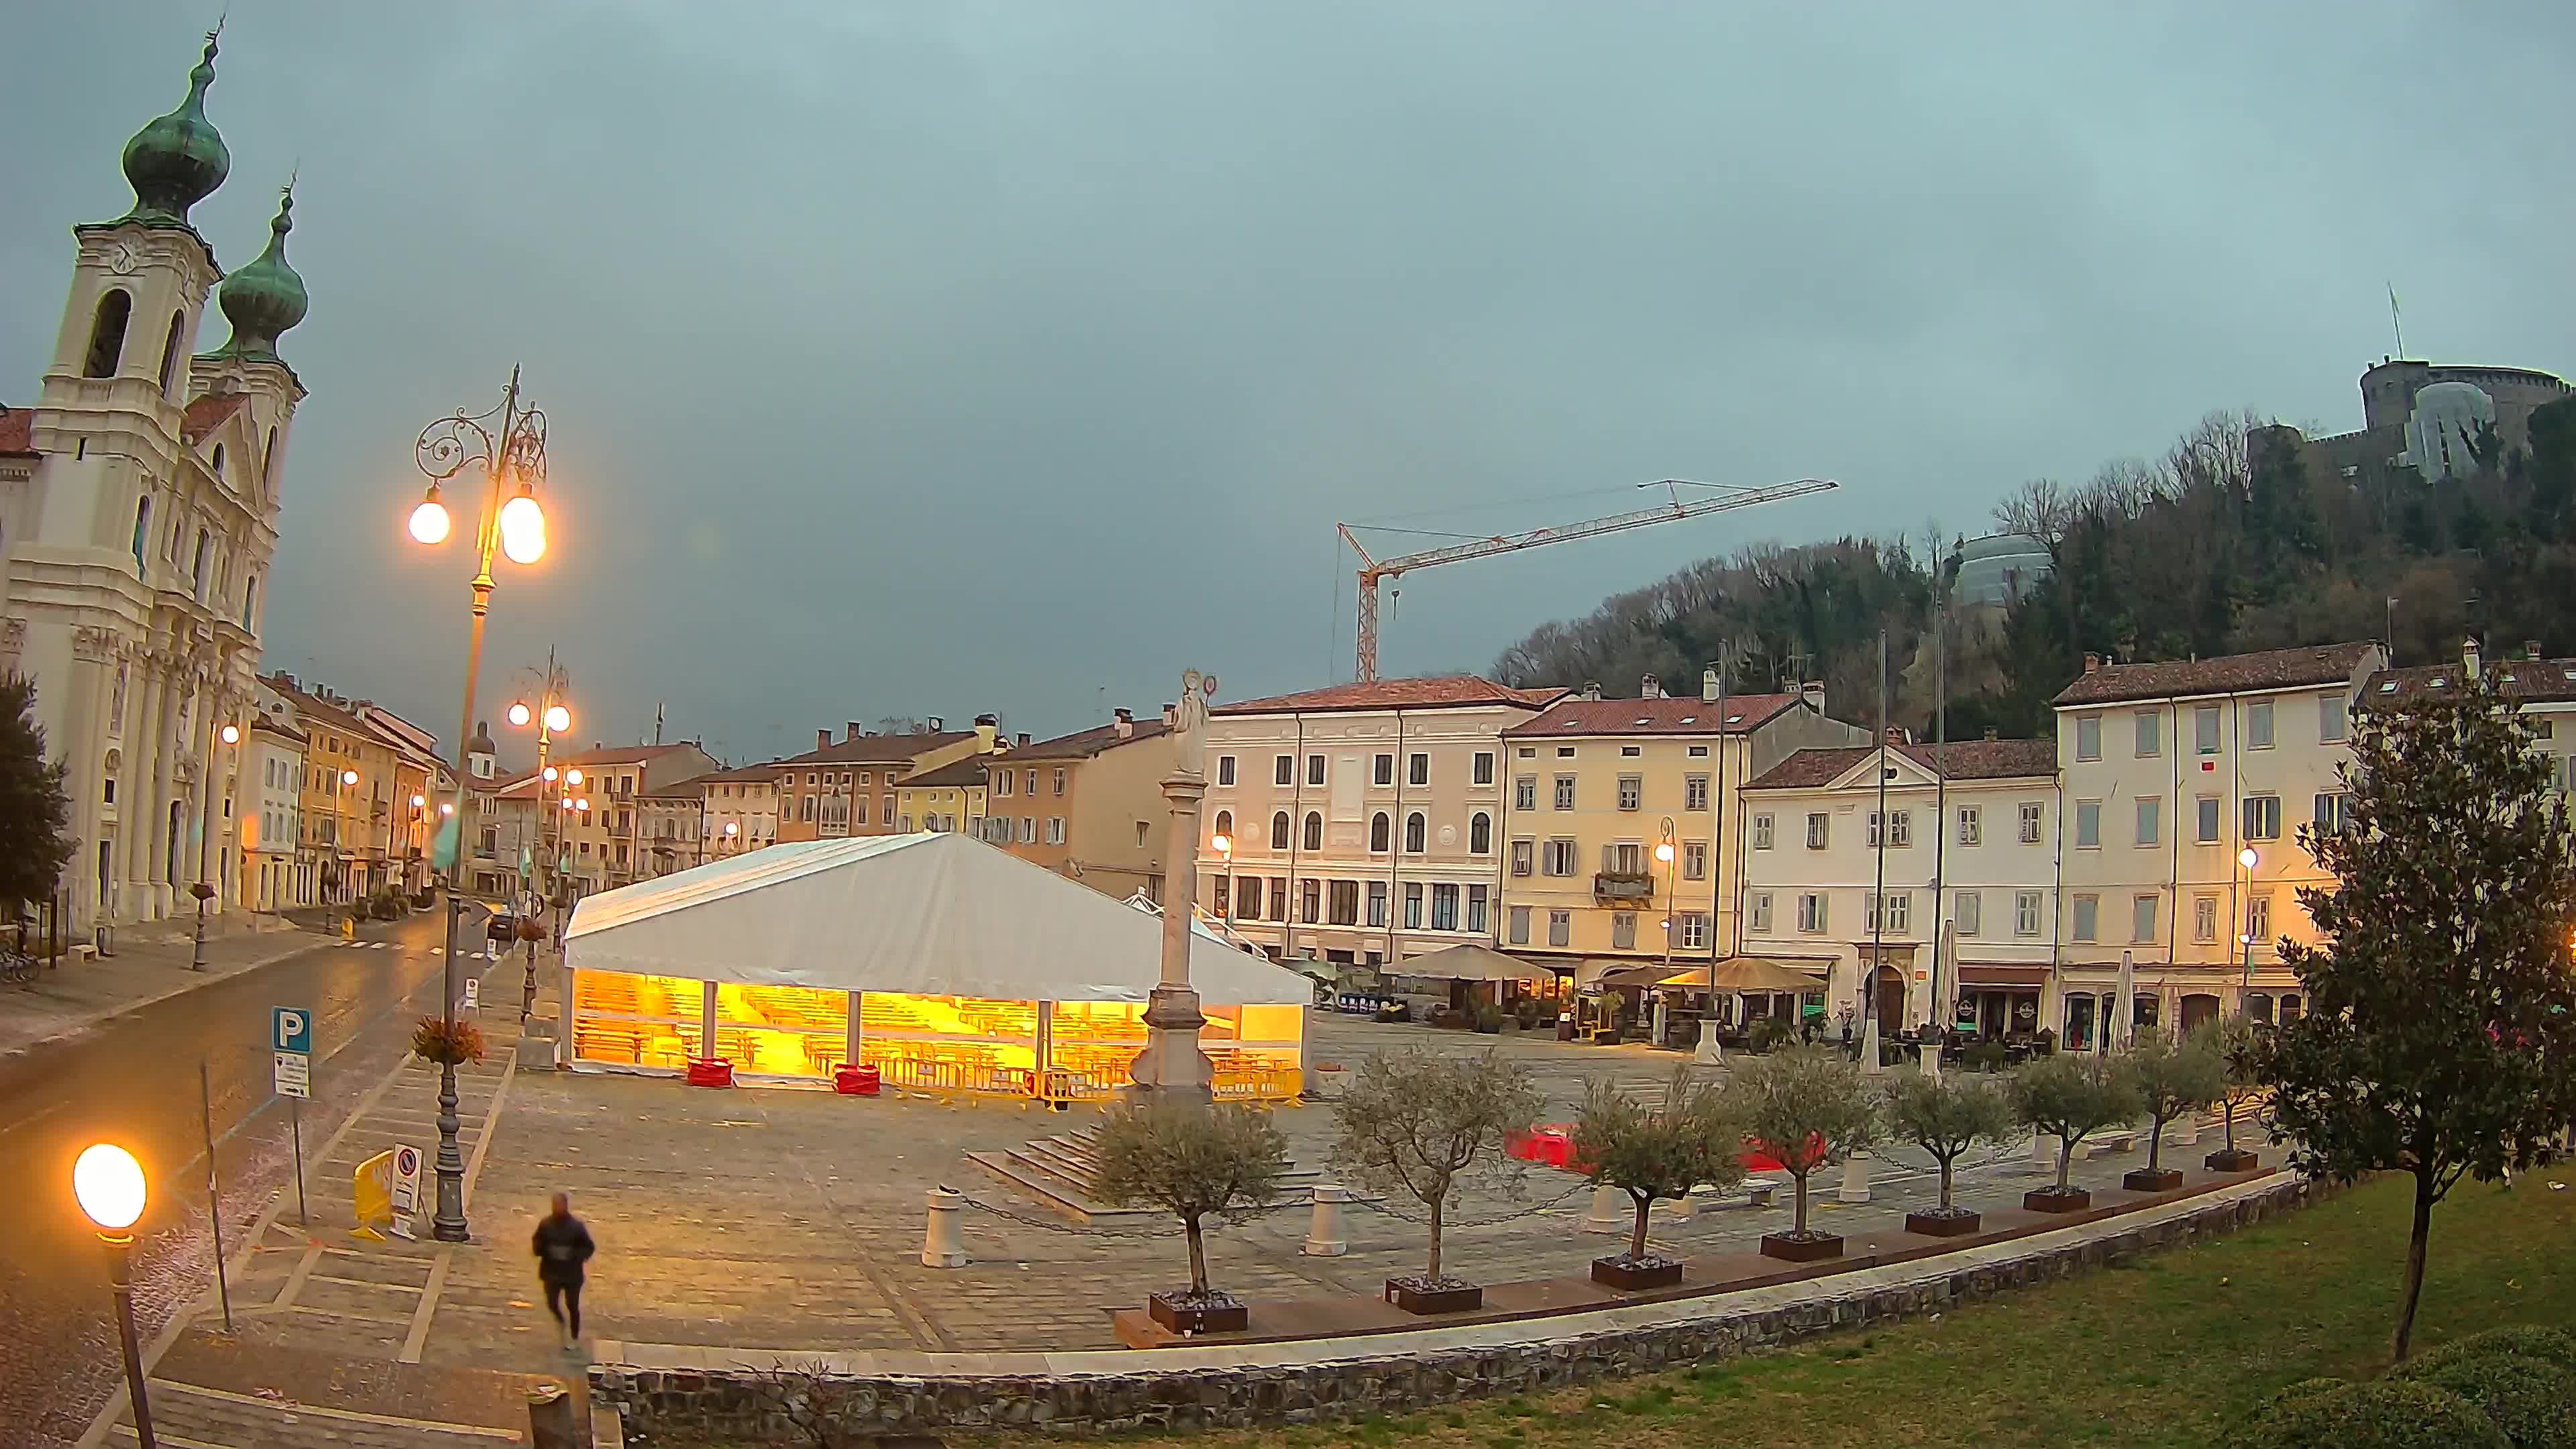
x=290, y=1029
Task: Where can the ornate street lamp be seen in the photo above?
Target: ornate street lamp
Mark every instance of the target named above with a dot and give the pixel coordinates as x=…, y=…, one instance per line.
x=509, y=444
x=108, y=1182
x=231, y=736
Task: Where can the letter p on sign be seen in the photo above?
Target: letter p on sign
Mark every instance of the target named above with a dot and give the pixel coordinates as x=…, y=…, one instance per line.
x=290, y=1029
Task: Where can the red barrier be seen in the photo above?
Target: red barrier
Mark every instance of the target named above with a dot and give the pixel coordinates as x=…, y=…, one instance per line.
x=710, y=1072
x=856, y=1081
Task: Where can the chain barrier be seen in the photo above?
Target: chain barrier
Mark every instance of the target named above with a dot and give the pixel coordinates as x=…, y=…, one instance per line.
x=1423, y=1218
x=1080, y=1230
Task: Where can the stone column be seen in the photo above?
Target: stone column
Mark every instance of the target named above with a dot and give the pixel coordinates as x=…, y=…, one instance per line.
x=1172, y=1068
x=84, y=746
x=137, y=808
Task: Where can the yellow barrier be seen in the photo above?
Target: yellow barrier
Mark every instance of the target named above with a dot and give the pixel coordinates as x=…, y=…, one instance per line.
x=1257, y=1084
x=1058, y=1085
x=373, y=1186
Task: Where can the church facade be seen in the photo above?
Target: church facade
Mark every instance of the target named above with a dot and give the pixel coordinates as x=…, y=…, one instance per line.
x=138, y=514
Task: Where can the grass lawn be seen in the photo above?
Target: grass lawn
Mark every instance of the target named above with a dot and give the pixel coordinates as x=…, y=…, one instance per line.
x=2160, y=1352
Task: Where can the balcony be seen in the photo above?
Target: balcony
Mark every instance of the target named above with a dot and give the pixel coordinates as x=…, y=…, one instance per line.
x=1620, y=885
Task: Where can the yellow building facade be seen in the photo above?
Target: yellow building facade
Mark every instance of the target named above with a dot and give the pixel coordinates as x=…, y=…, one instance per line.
x=944, y=797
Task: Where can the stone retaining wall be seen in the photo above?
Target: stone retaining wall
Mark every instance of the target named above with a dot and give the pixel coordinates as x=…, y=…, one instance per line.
x=749, y=1402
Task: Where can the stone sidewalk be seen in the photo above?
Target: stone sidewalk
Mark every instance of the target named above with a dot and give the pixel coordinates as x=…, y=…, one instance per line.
x=150, y=964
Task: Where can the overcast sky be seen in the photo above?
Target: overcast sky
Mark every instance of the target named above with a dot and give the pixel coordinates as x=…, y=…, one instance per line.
x=930, y=358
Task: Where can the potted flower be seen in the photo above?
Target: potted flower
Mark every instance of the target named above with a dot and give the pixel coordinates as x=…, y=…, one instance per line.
x=1195, y=1163
x=2070, y=1098
x=2171, y=1078
x=445, y=1043
x=1945, y=1116
x=1423, y=1124
x=1653, y=1153
x=1806, y=1108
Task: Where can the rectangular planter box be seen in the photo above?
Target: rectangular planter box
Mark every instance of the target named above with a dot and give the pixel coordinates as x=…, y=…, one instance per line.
x=2161, y=1179
x=2239, y=1160
x=1228, y=1316
x=2050, y=1200
x=1403, y=1294
x=1936, y=1225
x=1801, y=1250
x=710, y=1072
x=1636, y=1277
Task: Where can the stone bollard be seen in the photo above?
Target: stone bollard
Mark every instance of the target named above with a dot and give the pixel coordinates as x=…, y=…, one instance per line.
x=1612, y=1209
x=1325, y=1235
x=1685, y=1207
x=1932, y=1062
x=1855, y=1178
x=2043, y=1151
x=2190, y=1125
x=941, y=1246
x=551, y=1421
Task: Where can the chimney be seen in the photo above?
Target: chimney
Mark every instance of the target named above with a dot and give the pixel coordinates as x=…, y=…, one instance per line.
x=1171, y=715
x=2469, y=655
x=1650, y=688
x=1022, y=739
x=1124, y=723
x=1708, y=686
x=2531, y=649
x=1896, y=734
x=988, y=729
x=1990, y=732
x=850, y=730
x=822, y=739
x=2092, y=662
x=1592, y=689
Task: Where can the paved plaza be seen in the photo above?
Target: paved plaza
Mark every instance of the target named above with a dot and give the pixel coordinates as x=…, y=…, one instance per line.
x=790, y=1220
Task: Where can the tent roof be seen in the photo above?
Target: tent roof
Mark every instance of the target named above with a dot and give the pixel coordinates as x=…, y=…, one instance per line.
x=934, y=913
x=1735, y=973
x=1467, y=962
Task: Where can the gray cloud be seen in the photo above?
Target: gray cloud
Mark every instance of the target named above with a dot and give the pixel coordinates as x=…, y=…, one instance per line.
x=929, y=359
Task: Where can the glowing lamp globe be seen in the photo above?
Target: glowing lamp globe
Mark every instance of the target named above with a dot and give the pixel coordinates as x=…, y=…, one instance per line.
x=109, y=1183
x=1224, y=844
x=572, y=777
x=1664, y=852
x=519, y=713
x=582, y=804
x=2246, y=857
x=558, y=718
x=232, y=734
x=429, y=522
x=523, y=530
x=446, y=807
x=348, y=777
x=417, y=802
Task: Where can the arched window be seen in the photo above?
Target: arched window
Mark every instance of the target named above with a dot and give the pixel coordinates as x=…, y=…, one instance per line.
x=1225, y=823
x=107, y=334
x=1314, y=830
x=197, y=569
x=170, y=352
x=142, y=526
x=1279, y=831
x=1413, y=831
x=250, y=602
x=1480, y=833
x=218, y=467
x=1379, y=828
x=268, y=461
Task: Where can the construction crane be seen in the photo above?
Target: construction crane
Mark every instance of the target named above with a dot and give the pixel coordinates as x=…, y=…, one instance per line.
x=1373, y=570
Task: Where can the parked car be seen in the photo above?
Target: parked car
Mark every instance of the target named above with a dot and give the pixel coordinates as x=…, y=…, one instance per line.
x=504, y=928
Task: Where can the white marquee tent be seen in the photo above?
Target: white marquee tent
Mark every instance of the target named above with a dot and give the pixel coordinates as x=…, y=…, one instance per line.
x=925, y=947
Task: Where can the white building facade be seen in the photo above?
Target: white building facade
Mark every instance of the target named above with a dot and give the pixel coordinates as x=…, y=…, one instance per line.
x=138, y=510
x=1364, y=818
x=270, y=817
x=1967, y=842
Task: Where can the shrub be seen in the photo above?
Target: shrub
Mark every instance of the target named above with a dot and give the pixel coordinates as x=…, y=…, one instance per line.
x=2304, y=1388
x=2385, y=1414
x=2520, y=1340
x=1772, y=1033
x=2526, y=1397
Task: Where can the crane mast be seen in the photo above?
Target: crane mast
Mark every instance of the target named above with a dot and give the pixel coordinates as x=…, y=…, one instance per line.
x=1374, y=570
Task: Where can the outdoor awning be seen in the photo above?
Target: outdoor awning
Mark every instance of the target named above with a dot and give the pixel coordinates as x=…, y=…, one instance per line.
x=1469, y=962
x=1984, y=973
x=1632, y=976
x=939, y=914
x=1765, y=973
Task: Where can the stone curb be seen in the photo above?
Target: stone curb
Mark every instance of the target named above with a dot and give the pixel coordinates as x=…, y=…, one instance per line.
x=734, y=1391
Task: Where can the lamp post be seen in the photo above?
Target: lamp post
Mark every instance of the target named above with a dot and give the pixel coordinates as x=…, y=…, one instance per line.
x=2245, y=927
x=109, y=1184
x=1223, y=844
x=340, y=814
x=516, y=525
x=230, y=735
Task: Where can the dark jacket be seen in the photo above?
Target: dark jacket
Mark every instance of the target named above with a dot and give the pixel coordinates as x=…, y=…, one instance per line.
x=562, y=1245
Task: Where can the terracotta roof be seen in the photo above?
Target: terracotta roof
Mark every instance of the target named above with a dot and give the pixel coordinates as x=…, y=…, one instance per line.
x=1668, y=716
x=762, y=774
x=875, y=749
x=1960, y=760
x=2227, y=674
x=276, y=726
x=1448, y=691
x=1083, y=744
x=2525, y=679
x=18, y=431
x=615, y=754
x=207, y=413
x=955, y=774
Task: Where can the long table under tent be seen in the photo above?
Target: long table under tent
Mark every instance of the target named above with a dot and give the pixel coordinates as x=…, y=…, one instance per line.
x=941, y=961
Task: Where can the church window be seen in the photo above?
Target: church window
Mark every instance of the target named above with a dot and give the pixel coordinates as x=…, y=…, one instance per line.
x=170, y=351
x=107, y=334
x=142, y=526
x=197, y=569
x=219, y=461
x=250, y=606
x=268, y=461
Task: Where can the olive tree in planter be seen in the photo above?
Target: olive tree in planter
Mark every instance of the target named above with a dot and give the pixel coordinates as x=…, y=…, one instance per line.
x=2239, y=1044
x=1945, y=1116
x=1652, y=1153
x=1194, y=1163
x=1810, y=1109
x=2070, y=1098
x=1422, y=1124
x=2171, y=1077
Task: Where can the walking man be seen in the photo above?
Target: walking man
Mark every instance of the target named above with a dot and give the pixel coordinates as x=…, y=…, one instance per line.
x=562, y=1246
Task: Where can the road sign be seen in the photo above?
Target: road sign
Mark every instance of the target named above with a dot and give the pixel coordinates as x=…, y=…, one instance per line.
x=404, y=1182
x=294, y=1076
x=473, y=993
x=290, y=1029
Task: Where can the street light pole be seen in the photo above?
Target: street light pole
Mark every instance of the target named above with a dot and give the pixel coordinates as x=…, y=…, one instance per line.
x=2245, y=925
x=230, y=735
x=108, y=1183
x=516, y=526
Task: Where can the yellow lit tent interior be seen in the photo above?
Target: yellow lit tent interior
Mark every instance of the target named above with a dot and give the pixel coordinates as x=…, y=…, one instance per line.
x=936, y=958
